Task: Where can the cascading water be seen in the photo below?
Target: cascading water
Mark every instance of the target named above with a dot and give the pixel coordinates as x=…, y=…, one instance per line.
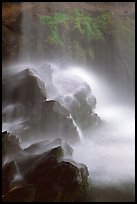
x=109, y=151
x=106, y=148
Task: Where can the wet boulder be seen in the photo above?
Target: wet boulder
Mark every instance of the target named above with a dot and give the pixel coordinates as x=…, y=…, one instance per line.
x=57, y=180
x=12, y=112
x=83, y=105
x=46, y=177
x=40, y=147
x=64, y=182
x=43, y=163
x=22, y=193
x=52, y=121
x=8, y=172
x=32, y=155
x=10, y=146
x=25, y=88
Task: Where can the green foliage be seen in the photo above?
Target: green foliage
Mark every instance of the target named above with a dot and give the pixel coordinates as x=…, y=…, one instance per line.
x=85, y=24
x=82, y=22
x=104, y=19
x=74, y=30
x=52, y=23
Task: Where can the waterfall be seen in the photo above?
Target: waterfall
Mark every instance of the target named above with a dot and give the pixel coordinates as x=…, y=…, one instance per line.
x=78, y=128
x=18, y=176
x=78, y=95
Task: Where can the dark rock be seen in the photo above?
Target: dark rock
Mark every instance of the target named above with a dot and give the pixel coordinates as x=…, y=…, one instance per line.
x=37, y=147
x=83, y=106
x=57, y=180
x=27, y=160
x=64, y=182
x=43, y=146
x=8, y=172
x=46, y=177
x=10, y=146
x=12, y=112
x=25, y=88
x=39, y=150
x=29, y=89
x=51, y=121
x=22, y=193
x=43, y=164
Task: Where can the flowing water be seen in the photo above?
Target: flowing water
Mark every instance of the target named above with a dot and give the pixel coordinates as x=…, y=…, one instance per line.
x=109, y=150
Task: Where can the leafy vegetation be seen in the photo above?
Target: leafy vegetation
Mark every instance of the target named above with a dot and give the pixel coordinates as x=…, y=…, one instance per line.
x=74, y=30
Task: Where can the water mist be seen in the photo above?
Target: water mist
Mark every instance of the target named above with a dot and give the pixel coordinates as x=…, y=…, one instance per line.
x=108, y=149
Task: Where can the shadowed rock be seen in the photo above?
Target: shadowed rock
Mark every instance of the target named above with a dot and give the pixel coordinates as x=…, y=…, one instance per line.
x=22, y=193
x=8, y=172
x=10, y=146
x=25, y=88
x=57, y=180
x=50, y=121
x=46, y=177
x=83, y=106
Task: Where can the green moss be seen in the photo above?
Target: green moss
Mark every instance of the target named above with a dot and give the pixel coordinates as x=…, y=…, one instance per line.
x=103, y=19
x=79, y=20
x=72, y=32
x=52, y=23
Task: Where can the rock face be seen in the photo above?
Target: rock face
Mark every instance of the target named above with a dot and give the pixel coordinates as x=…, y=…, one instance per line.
x=23, y=193
x=48, y=178
x=10, y=146
x=48, y=121
x=26, y=88
x=8, y=172
x=28, y=100
x=83, y=106
x=55, y=115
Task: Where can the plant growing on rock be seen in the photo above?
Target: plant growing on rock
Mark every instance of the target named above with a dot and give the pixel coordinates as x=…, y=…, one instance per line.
x=72, y=32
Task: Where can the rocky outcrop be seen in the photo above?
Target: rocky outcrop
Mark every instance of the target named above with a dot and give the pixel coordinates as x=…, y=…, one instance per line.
x=48, y=178
x=49, y=121
x=22, y=193
x=57, y=180
x=28, y=90
x=83, y=106
x=8, y=172
x=28, y=101
x=10, y=146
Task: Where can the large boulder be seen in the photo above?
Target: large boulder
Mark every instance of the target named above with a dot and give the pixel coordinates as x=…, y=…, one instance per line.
x=82, y=107
x=46, y=177
x=27, y=99
x=22, y=193
x=13, y=112
x=8, y=172
x=10, y=146
x=25, y=88
x=64, y=182
x=49, y=121
x=57, y=180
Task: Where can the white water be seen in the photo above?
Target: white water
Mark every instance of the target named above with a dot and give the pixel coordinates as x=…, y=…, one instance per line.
x=78, y=129
x=108, y=151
